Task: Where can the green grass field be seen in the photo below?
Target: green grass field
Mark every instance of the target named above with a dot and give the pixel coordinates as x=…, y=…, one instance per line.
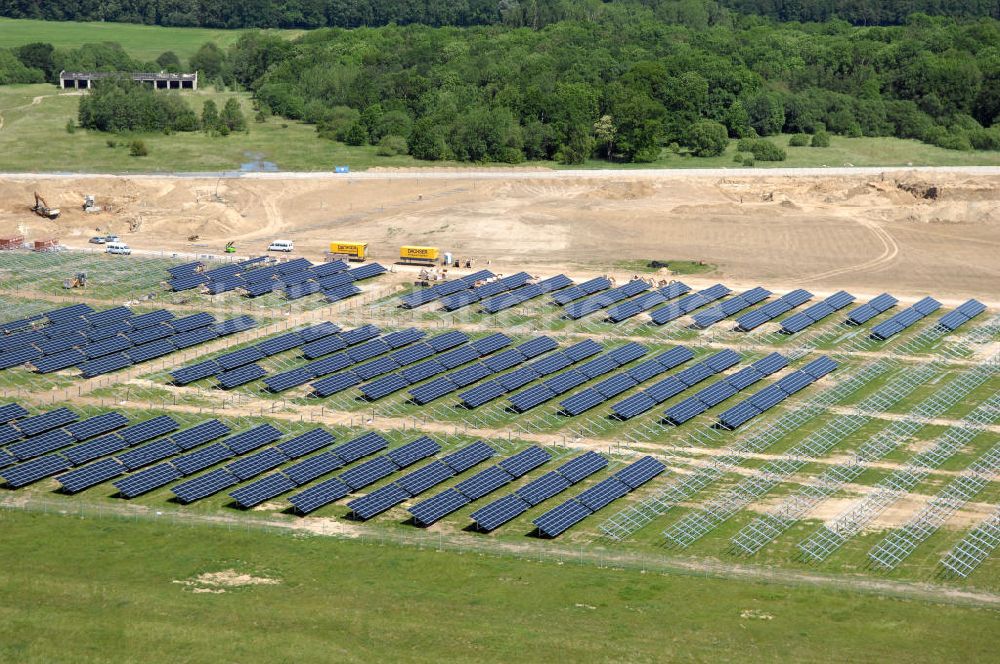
x=360, y=602
x=144, y=42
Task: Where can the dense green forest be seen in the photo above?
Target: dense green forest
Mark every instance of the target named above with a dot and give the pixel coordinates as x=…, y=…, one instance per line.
x=622, y=87
x=516, y=13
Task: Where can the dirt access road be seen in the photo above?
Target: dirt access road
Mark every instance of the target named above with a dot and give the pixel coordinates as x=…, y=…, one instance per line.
x=910, y=232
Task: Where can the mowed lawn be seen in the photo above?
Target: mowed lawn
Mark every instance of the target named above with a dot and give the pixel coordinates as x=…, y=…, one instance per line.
x=82, y=590
x=143, y=42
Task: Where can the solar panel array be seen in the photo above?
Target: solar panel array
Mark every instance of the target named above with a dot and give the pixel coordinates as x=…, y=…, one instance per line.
x=464, y=298
x=238, y=368
x=864, y=313
x=614, y=385
x=964, y=313
x=561, y=518
x=572, y=293
x=100, y=342
x=816, y=312
x=721, y=390
x=580, y=308
x=520, y=295
x=732, y=306
x=671, y=386
x=646, y=301
x=751, y=320
x=436, y=292
x=482, y=483
x=502, y=510
x=258, y=276
x=770, y=396
x=687, y=304
x=905, y=319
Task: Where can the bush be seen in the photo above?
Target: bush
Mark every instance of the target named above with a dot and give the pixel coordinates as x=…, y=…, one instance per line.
x=985, y=139
x=738, y=157
x=120, y=104
x=138, y=148
x=821, y=139
x=748, y=161
x=70, y=127
x=798, y=140
x=356, y=134
x=761, y=150
x=707, y=138
x=112, y=143
x=391, y=145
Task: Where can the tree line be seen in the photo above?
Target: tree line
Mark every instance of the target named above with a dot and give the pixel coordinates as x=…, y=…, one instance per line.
x=515, y=13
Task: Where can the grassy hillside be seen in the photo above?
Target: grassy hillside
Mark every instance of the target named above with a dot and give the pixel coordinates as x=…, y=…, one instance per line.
x=144, y=42
x=129, y=591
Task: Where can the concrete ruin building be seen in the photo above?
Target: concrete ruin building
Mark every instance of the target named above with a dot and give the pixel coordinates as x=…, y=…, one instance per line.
x=158, y=81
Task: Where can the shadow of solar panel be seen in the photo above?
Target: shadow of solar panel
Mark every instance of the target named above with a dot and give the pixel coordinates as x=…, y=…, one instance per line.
x=635, y=405
x=482, y=394
x=18, y=356
x=377, y=501
x=306, y=443
x=384, y=386
x=692, y=375
x=189, y=374
x=29, y=472
x=361, y=446
x=437, y=507
x=582, y=467
x=368, y=350
x=59, y=361
x=234, y=325
x=150, y=351
x=639, y=472
x=403, y=337
x=255, y=493
x=106, y=347
x=469, y=375
x=66, y=313
x=463, y=355
x=537, y=346
x=685, y=410
x=435, y=389
x=203, y=486
x=582, y=401
x=309, y=469
x=375, y=368
x=255, y=464
x=604, y=492
x=191, y=463
x=560, y=519
x=253, y=438
x=37, y=424
x=240, y=358
x=411, y=354
x=149, y=453
x=499, y=512
x=716, y=393
x=543, y=488
x=288, y=379
x=335, y=383
x=771, y=364
x=324, y=493
x=199, y=434
x=61, y=343
x=525, y=461
x=95, y=449
x=147, y=334
x=412, y=452
x=41, y=444
x=368, y=473
x=83, y=478
x=531, y=397
x=280, y=344
x=467, y=457
x=240, y=376
x=820, y=367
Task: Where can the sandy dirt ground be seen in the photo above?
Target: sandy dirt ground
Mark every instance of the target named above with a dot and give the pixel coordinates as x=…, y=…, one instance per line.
x=910, y=233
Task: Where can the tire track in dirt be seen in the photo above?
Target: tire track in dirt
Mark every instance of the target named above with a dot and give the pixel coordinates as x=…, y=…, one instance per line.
x=890, y=249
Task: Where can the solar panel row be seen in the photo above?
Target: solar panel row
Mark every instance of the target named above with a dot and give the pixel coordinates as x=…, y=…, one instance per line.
x=816, y=312
x=646, y=301
x=729, y=307
x=770, y=396
x=905, y=319
x=466, y=297
x=687, y=304
x=964, y=313
x=864, y=313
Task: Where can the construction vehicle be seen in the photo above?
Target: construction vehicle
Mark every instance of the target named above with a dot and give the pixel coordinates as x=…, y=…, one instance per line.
x=89, y=206
x=79, y=281
x=352, y=251
x=42, y=208
x=418, y=255
x=230, y=247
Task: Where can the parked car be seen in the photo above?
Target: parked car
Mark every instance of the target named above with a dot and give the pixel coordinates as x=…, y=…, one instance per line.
x=111, y=238
x=118, y=248
x=281, y=245
x=97, y=240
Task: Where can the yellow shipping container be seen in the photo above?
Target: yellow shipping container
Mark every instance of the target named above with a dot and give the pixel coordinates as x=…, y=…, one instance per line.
x=419, y=253
x=356, y=250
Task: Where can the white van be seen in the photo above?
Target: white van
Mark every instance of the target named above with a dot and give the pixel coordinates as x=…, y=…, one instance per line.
x=281, y=245
x=118, y=248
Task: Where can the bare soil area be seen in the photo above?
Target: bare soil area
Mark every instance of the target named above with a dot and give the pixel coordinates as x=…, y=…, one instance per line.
x=909, y=233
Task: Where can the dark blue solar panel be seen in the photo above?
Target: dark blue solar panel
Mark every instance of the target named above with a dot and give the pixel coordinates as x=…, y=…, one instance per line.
x=147, y=480
x=469, y=375
x=335, y=383
x=582, y=401
x=597, y=366
x=412, y=354
x=384, y=386
x=692, y=375
x=255, y=493
x=72, y=311
x=564, y=382
x=151, y=350
x=324, y=493
x=491, y=343
x=94, y=449
x=543, y=488
x=797, y=323
x=525, y=461
x=193, y=337
x=18, y=356
x=615, y=385
x=149, y=453
x=59, y=361
x=29, y=472
x=147, y=334
x=204, y=485
x=582, y=467
x=424, y=478
x=323, y=346
x=722, y=360
x=645, y=370
x=12, y=411
x=378, y=367
x=403, y=337
x=328, y=365
x=31, y=426
x=531, y=397
x=41, y=444
x=820, y=367
x=361, y=446
x=377, y=501
x=639, y=472
x=368, y=350
x=240, y=358
x=771, y=364
x=151, y=319
x=251, y=439
x=463, y=355
x=106, y=347
x=435, y=389
x=582, y=350
x=604, y=492
x=560, y=519
x=189, y=464
x=738, y=415
x=199, y=434
x=664, y=389
x=255, y=464
x=307, y=470
x=499, y=512
x=685, y=410
x=368, y=473
x=537, y=346
x=795, y=381
x=92, y=475
x=192, y=322
x=517, y=378
x=744, y=378
x=280, y=343
x=288, y=379
x=189, y=374
x=442, y=342
x=548, y=364
x=484, y=393
x=716, y=393
x=95, y=426
x=627, y=353
x=241, y=376
x=412, y=452
x=467, y=457
x=768, y=397
x=61, y=343
x=306, y=443
x=422, y=371
x=433, y=509
x=106, y=331
x=359, y=334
